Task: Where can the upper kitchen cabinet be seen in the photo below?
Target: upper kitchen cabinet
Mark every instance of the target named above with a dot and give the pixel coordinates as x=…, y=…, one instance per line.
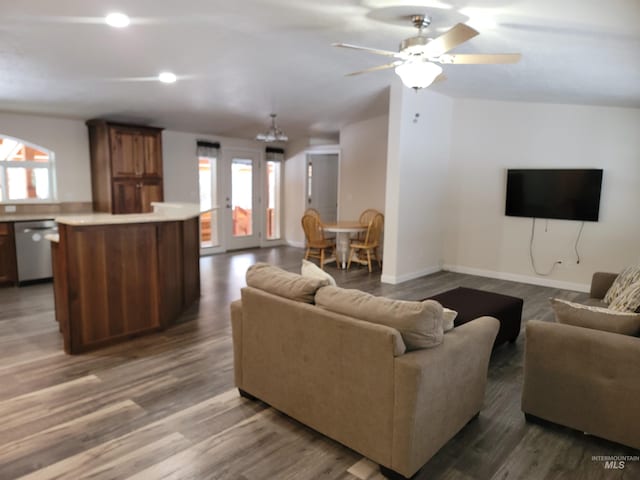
x=122, y=156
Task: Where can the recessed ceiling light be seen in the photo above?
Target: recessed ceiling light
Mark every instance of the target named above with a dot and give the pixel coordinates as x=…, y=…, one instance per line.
x=167, y=77
x=117, y=20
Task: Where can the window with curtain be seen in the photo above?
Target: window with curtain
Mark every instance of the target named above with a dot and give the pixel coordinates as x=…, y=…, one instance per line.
x=27, y=172
x=207, y=154
x=274, y=158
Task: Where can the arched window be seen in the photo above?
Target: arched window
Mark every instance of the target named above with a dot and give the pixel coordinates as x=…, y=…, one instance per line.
x=27, y=172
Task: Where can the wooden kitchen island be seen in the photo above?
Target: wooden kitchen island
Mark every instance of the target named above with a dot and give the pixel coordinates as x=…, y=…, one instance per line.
x=120, y=276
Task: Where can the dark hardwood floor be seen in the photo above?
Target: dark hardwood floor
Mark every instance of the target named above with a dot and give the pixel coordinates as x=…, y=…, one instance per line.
x=164, y=406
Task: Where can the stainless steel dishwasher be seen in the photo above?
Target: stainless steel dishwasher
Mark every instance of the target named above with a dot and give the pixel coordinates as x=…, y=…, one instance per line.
x=33, y=251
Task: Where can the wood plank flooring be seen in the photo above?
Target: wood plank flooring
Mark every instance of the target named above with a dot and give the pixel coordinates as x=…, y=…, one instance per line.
x=164, y=406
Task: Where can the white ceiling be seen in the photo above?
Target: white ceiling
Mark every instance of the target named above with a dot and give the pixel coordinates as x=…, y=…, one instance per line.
x=238, y=61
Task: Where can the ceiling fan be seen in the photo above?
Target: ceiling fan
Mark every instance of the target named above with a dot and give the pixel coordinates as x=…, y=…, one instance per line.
x=417, y=61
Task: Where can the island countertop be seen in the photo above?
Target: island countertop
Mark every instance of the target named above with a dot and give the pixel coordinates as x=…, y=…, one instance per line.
x=163, y=212
x=30, y=217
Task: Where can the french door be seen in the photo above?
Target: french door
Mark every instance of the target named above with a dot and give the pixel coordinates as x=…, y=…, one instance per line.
x=245, y=192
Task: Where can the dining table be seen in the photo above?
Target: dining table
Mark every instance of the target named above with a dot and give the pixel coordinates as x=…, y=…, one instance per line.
x=343, y=230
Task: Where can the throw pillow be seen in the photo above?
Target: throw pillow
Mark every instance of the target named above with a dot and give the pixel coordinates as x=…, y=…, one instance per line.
x=285, y=284
x=627, y=277
x=419, y=323
x=596, y=318
x=628, y=300
x=311, y=270
x=448, y=316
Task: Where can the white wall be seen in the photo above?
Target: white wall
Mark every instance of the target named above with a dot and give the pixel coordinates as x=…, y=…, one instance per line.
x=180, y=166
x=490, y=137
x=69, y=140
x=363, y=167
x=294, y=198
x=418, y=154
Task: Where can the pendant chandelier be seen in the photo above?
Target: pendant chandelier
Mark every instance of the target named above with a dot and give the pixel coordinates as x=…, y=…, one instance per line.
x=274, y=134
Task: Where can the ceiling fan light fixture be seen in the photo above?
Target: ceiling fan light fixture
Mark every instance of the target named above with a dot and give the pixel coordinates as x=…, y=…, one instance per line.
x=274, y=134
x=418, y=74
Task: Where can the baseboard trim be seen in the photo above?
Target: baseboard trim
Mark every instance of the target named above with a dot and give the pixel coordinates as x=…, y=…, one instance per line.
x=395, y=279
x=295, y=244
x=513, y=277
x=273, y=243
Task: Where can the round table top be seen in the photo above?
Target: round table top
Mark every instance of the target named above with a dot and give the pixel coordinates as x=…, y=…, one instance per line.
x=344, y=226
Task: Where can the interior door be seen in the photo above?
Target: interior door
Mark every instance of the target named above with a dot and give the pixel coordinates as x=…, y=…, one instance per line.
x=241, y=204
x=322, y=185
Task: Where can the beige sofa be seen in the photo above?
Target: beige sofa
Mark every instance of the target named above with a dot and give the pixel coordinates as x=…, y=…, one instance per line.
x=353, y=380
x=584, y=378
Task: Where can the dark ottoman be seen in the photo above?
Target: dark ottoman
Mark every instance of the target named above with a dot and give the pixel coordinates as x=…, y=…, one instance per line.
x=471, y=304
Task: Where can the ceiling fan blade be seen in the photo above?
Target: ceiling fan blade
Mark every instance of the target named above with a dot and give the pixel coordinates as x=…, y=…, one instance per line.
x=374, y=69
x=460, y=33
x=478, y=58
x=440, y=78
x=386, y=53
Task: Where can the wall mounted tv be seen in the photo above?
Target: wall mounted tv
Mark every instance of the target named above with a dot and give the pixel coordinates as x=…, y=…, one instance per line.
x=569, y=194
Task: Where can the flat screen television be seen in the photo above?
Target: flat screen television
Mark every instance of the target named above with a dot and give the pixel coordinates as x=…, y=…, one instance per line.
x=569, y=194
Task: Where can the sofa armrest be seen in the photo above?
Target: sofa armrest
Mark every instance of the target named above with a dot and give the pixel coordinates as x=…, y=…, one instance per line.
x=438, y=390
x=236, y=335
x=600, y=284
x=585, y=379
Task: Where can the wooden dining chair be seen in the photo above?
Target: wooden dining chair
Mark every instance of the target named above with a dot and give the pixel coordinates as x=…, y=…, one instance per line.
x=317, y=244
x=316, y=213
x=312, y=211
x=371, y=242
x=365, y=218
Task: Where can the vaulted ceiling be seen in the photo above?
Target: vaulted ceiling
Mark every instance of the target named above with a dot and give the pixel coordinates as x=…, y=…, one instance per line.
x=238, y=61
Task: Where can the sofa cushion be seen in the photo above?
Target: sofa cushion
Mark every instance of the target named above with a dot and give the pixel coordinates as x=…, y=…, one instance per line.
x=448, y=317
x=311, y=270
x=419, y=323
x=627, y=277
x=628, y=300
x=596, y=318
x=285, y=284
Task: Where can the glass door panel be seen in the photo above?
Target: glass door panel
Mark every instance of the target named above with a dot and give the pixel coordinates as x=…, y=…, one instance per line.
x=242, y=197
x=273, y=200
x=207, y=168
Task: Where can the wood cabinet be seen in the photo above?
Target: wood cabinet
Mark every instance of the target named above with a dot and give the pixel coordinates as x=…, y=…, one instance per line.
x=149, y=191
x=126, y=166
x=8, y=268
x=136, y=195
x=117, y=281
